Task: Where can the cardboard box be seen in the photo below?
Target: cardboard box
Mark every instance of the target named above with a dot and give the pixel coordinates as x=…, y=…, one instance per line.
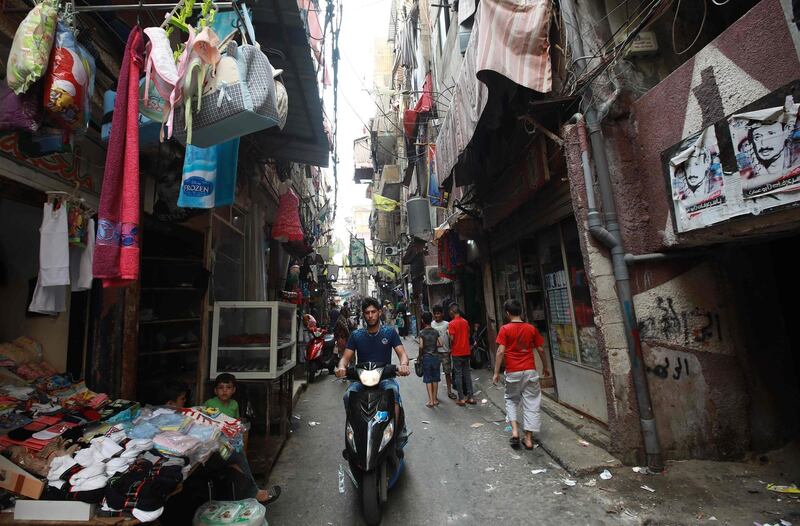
x=53, y=510
x=16, y=480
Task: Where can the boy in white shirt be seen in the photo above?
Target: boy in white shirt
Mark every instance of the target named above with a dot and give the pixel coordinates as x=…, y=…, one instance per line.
x=444, y=351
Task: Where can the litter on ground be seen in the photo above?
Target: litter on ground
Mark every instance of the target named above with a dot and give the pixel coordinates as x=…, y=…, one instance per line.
x=792, y=489
x=605, y=475
x=476, y=425
x=648, y=488
x=569, y=482
x=538, y=471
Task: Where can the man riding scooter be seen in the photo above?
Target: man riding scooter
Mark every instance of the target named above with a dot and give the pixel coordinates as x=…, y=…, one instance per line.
x=374, y=344
x=374, y=425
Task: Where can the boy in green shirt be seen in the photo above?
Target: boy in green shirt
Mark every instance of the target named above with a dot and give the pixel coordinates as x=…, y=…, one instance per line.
x=225, y=388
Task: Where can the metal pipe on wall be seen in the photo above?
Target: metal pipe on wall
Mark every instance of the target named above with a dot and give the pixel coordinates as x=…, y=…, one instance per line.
x=607, y=231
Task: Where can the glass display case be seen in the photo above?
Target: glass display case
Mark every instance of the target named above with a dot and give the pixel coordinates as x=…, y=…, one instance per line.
x=253, y=340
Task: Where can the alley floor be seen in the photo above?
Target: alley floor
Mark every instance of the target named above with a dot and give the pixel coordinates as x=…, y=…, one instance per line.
x=460, y=470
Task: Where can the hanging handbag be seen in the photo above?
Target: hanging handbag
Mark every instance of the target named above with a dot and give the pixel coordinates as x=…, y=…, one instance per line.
x=239, y=100
x=418, y=366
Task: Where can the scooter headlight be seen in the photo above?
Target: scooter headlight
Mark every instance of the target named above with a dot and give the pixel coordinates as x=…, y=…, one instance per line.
x=388, y=433
x=351, y=439
x=369, y=378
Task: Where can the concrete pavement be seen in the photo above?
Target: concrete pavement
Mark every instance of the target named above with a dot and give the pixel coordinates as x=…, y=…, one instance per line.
x=460, y=474
x=460, y=469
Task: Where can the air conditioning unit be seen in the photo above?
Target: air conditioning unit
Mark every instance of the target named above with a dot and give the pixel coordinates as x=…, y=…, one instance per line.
x=432, y=276
x=391, y=251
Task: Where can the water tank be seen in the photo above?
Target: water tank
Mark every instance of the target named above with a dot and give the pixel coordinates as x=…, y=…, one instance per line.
x=419, y=217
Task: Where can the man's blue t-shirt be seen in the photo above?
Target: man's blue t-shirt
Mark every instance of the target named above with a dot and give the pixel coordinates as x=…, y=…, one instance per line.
x=374, y=347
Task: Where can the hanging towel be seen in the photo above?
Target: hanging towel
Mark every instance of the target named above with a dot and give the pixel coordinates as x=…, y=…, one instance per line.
x=209, y=175
x=80, y=261
x=116, y=258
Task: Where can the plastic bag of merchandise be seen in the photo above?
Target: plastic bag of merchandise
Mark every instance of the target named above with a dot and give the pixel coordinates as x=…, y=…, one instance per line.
x=20, y=112
x=68, y=83
x=30, y=51
x=248, y=512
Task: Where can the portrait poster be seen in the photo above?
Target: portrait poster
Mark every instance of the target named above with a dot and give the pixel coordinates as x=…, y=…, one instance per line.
x=696, y=179
x=767, y=147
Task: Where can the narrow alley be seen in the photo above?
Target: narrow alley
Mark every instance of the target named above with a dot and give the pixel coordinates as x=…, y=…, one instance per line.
x=460, y=469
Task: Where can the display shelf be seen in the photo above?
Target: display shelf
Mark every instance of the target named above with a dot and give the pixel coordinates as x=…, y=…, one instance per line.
x=253, y=340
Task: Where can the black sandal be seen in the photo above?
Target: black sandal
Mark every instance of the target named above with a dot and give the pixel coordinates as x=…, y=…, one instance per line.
x=514, y=442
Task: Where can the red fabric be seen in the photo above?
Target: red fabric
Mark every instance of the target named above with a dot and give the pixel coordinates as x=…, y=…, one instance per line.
x=287, y=223
x=519, y=339
x=116, y=257
x=409, y=122
x=425, y=102
x=459, y=330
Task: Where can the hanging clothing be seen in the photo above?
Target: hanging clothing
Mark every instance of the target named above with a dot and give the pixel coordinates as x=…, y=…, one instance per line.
x=116, y=259
x=50, y=296
x=80, y=261
x=54, y=245
x=287, y=223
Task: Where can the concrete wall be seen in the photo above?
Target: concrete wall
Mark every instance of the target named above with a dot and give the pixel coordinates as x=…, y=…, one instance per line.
x=692, y=344
x=753, y=57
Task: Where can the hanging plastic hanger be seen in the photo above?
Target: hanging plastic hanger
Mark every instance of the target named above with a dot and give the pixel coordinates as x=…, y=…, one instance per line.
x=138, y=13
x=186, y=7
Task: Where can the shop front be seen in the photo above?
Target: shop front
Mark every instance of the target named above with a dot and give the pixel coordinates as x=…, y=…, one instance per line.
x=543, y=269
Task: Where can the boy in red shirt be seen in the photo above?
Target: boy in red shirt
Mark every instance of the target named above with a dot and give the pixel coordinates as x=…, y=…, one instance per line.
x=516, y=342
x=459, y=350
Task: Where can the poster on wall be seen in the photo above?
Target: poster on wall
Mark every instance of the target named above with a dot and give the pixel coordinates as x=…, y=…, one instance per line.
x=564, y=338
x=745, y=164
x=767, y=148
x=697, y=182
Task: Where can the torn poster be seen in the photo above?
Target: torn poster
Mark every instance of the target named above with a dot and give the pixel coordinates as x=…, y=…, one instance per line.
x=767, y=147
x=697, y=183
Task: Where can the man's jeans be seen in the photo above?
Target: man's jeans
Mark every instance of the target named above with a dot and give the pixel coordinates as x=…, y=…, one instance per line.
x=462, y=377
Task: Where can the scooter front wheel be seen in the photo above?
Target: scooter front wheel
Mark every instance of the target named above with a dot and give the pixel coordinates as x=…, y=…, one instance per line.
x=311, y=371
x=370, y=498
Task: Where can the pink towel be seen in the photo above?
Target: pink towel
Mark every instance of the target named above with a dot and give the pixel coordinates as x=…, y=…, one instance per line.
x=116, y=257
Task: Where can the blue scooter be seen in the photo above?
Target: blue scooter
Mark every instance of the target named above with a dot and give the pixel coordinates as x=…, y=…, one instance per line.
x=371, y=436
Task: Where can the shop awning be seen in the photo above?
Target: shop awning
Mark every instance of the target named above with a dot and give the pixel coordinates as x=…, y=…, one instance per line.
x=279, y=26
x=509, y=38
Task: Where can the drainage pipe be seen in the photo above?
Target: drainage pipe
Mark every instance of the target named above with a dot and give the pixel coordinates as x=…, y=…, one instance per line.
x=607, y=231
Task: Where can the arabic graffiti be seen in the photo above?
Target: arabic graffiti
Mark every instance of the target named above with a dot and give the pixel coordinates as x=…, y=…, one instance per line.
x=685, y=327
x=663, y=370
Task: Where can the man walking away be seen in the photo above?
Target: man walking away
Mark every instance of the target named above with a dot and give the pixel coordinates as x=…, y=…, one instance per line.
x=333, y=315
x=429, y=342
x=440, y=325
x=459, y=349
x=516, y=341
